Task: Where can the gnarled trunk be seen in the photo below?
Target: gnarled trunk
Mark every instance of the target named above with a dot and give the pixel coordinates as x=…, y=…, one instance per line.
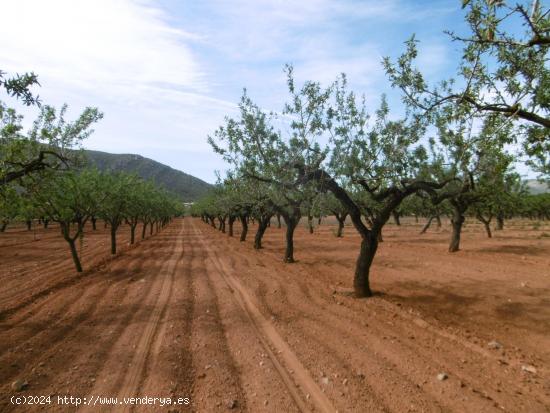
x=278, y=220
x=74, y=255
x=340, y=229
x=427, y=225
x=65, y=231
x=396, y=217
x=144, y=230
x=221, y=226
x=361, y=281
x=457, y=221
x=94, y=220
x=231, y=221
x=486, y=223
x=341, y=218
x=262, y=226
x=244, y=222
x=291, y=224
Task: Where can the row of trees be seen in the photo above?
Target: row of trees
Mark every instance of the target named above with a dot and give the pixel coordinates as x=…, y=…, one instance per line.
x=450, y=148
x=42, y=176
x=74, y=198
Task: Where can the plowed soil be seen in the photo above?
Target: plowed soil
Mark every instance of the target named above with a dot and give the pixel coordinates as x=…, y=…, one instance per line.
x=192, y=313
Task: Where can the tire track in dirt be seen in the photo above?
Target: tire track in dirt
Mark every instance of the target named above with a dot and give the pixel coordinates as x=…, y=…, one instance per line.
x=169, y=369
x=270, y=338
x=219, y=381
x=129, y=381
x=391, y=342
x=386, y=352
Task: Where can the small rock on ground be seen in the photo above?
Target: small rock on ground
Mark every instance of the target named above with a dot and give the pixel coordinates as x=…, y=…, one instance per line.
x=529, y=369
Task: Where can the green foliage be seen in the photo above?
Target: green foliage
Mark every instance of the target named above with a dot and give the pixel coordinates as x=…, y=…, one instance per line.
x=48, y=145
x=19, y=86
x=502, y=71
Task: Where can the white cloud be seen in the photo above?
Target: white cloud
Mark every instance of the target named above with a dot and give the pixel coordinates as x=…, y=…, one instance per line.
x=166, y=72
x=109, y=47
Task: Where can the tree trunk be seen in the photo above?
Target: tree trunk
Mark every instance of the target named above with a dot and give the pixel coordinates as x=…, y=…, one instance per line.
x=278, y=220
x=144, y=230
x=319, y=220
x=244, y=222
x=113, y=238
x=486, y=223
x=500, y=222
x=310, y=224
x=291, y=224
x=488, y=229
x=231, y=221
x=457, y=220
x=74, y=254
x=65, y=231
x=396, y=217
x=416, y=218
x=438, y=219
x=46, y=222
x=94, y=220
x=151, y=227
x=3, y=226
x=361, y=283
x=427, y=225
x=132, y=234
x=262, y=226
x=340, y=229
x=29, y=224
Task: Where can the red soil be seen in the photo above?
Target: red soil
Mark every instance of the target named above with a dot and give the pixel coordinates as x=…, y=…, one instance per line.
x=190, y=312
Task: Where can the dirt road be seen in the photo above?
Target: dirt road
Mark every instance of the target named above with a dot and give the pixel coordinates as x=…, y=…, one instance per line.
x=190, y=313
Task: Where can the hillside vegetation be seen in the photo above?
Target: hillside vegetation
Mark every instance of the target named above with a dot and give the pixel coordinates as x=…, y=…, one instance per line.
x=185, y=186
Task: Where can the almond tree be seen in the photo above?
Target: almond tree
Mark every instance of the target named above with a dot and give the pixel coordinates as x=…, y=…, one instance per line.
x=69, y=199
x=333, y=146
x=259, y=152
x=474, y=156
x=116, y=189
x=332, y=206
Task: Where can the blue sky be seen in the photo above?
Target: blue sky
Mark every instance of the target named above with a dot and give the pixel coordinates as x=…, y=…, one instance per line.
x=166, y=72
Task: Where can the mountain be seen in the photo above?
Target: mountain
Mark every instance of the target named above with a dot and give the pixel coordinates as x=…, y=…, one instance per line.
x=536, y=187
x=187, y=187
